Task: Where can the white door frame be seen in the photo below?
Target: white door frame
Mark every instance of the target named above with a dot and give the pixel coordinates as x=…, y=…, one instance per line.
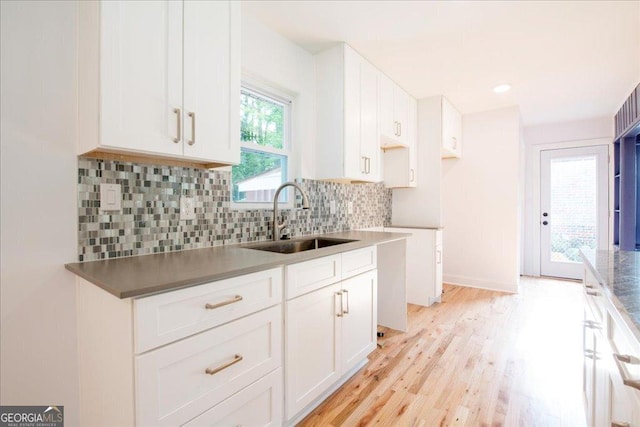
x=537, y=213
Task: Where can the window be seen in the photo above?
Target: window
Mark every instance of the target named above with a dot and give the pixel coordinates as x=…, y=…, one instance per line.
x=264, y=148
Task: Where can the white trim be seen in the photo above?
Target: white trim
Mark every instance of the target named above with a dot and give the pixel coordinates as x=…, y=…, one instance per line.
x=490, y=285
x=535, y=152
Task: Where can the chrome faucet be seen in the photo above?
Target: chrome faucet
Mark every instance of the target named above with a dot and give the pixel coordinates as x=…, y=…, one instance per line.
x=278, y=227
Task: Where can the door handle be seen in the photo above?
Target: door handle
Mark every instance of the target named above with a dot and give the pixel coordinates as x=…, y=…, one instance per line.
x=545, y=222
x=545, y=214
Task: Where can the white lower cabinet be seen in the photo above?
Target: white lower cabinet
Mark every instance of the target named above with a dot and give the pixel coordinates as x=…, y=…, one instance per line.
x=329, y=332
x=611, y=370
x=359, y=324
x=424, y=265
x=200, y=355
x=260, y=404
x=312, y=337
x=182, y=380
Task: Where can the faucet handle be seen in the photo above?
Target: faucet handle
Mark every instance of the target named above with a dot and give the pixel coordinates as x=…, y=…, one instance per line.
x=285, y=233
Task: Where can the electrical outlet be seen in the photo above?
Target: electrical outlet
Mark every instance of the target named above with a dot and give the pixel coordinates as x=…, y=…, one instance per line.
x=187, y=208
x=350, y=208
x=332, y=207
x=110, y=197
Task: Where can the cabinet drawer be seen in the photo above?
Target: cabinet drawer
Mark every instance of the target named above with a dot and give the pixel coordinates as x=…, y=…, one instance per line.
x=163, y=318
x=178, y=382
x=622, y=343
x=358, y=261
x=594, y=296
x=310, y=275
x=260, y=404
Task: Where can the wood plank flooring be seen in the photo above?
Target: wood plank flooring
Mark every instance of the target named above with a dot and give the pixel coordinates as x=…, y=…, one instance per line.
x=480, y=358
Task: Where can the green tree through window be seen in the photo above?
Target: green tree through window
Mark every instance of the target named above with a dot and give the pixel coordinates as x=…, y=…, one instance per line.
x=263, y=157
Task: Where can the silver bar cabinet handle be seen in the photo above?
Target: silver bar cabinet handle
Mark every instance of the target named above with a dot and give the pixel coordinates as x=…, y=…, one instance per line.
x=346, y=292
x=193, y=128
x=399, y=129
x=341, y=313
x=235, y=299
x=412, y=174
x=593, y=293
x=179, y=126
x=212, y=371
x=620, y=359
x=619, y=424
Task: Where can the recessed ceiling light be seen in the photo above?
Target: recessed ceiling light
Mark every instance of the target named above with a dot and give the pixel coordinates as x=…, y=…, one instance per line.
x=502, y=88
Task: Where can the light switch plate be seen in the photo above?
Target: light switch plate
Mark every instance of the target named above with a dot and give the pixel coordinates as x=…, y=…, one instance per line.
x=110, y=197
x=187, y=208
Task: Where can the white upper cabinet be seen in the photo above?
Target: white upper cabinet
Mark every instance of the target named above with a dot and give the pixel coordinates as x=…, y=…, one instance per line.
x=394, y=114
x=401, y=164
x=451, y=130
x=347, y=116
x=160, y=79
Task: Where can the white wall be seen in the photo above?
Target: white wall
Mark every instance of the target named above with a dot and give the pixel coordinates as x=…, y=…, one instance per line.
x=38, y=363
x=480, y=203
x=274, y=60
x=422, y=206
x=557, y=135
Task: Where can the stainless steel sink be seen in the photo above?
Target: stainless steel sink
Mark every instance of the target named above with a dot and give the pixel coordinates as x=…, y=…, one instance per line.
x=298, y=245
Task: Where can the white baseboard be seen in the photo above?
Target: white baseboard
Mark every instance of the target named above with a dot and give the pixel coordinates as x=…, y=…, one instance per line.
x=472, y=282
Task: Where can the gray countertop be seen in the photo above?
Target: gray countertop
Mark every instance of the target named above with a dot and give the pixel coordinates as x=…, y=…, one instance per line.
x=619, y=273
x=148, y=274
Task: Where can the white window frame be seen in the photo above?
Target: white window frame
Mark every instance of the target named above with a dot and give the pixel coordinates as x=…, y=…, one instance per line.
x=287, y=99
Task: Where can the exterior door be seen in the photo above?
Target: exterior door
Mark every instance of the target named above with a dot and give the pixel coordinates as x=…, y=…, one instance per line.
x=573, y=207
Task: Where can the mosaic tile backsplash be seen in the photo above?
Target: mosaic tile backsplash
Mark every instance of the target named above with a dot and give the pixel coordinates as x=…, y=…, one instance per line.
x=149, y=221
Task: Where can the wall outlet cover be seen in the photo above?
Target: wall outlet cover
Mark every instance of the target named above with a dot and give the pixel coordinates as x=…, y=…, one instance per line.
x=332, y=207
x=110, y=197
x=187, y=208
x=350, y=208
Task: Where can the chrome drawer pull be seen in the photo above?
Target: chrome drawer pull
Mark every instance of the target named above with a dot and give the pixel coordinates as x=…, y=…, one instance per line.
x=623, y=358
x=619, y=424
x=237, y=298
x=593, y=294
x=237, y=358
x=341, y=313
x=588, y=286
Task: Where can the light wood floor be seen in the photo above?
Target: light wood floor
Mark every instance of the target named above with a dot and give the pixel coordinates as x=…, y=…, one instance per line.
x=478, y=358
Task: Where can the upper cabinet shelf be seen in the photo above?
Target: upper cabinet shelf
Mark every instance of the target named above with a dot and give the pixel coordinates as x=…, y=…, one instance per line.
x=160, y=79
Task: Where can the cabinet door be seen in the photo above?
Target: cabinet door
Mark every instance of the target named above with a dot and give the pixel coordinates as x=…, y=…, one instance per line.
x=451, y=130
x=359, y=320
x=588, y=367
x=141, y=75
x=401, y=109
x=369, y=143
x=211, y=88
x=387, y=121
x=312, y=353
x=412, y=130
x=355, y=163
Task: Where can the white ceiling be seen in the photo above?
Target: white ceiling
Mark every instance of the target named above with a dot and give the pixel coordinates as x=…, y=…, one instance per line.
x=566, y=60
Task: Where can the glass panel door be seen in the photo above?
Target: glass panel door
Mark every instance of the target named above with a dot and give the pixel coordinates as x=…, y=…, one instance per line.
x=573, y=208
